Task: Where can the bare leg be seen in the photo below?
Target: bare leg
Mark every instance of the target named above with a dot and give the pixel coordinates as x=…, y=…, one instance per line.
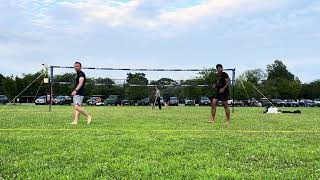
x=76, y=116
x=213, y=110
x=83, y=112
x=227, y=110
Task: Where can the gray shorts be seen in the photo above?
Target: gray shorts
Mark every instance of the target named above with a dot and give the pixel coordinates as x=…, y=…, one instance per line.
x=77, y=100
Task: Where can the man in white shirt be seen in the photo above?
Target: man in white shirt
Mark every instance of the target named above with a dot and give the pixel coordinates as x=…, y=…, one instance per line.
x=157, y=97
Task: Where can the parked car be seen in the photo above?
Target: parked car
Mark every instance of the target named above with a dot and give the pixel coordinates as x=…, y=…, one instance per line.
x=91, y=101
x=189, y=102
x=278, y=102
x=161, y=101
x=204, y=101
x=62, y=100
x=317, y=102
x=265, y=102
x=99, y=101
x=306, y=103
x=173, y=101
x=3, y=99
x=230, y=102
x=238, y=103
x=291, y=103
x=127, y=102
x=144, y=102
x=252, y=102
x=113, y=100
x=42, y=100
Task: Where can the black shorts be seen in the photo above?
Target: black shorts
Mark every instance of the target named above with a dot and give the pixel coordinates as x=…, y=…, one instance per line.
x=222, y=96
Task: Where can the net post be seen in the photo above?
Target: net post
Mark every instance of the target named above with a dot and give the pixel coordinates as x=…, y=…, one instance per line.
x=233, y=87
x=51, y=87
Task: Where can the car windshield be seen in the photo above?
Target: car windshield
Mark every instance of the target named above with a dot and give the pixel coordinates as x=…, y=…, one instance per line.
x=113, y=97
x=60, y=97
x=277, y=100
x=2, y=96
x=204, y=98
x=173, y=98
x=318, y=99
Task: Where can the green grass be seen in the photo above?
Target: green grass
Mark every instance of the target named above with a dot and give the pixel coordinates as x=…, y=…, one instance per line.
x=175, y=143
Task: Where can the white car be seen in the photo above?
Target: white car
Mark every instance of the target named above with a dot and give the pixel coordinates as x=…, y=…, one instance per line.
x=317, y=102
x=42, y=100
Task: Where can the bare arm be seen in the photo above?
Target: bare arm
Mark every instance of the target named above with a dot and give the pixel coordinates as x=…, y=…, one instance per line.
x=81, y=81
x=227, y=83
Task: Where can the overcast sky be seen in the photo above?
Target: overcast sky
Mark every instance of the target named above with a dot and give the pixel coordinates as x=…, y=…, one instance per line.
x=241, y=34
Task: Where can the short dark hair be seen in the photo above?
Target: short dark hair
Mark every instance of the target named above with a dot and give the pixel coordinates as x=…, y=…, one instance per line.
x=219, y=65
x=78, y=63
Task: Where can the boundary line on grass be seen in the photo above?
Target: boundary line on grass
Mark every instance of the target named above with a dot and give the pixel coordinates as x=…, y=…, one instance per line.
x=160, y=130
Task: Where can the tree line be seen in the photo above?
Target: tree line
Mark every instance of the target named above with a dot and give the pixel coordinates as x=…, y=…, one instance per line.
x=274, y=82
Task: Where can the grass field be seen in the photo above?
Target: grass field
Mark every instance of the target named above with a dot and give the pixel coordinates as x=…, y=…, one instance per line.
x=175, y=143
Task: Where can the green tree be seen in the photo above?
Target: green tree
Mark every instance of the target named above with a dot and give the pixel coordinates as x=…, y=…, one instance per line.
x=10, y=87
x=37, y=88
x=208, y=78
x=102, y=86
x=279, y=70
x=2, y=88
x=310, y=90
x=247, y=82
x=167, y=86
x=191, y=90
x=280, y=82
x=64, y=84
x=136, y=92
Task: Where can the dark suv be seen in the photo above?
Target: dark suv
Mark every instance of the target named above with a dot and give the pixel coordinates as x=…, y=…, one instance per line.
x=113, y=100
x=62, y=100
x=3, y=99
x=291, y=103
x=306, y=103
x=189, y=102
x=144, y=102
x=204, y=101
x=128, y=102
x=278, y=102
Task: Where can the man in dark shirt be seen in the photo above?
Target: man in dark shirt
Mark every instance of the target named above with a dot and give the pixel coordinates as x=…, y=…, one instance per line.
x=222, y=94
x=78, y=95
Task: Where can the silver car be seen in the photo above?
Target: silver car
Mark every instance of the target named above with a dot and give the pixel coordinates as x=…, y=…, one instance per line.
x=42, y=100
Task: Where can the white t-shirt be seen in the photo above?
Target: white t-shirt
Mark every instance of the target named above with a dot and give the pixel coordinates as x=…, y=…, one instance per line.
x=157, y=93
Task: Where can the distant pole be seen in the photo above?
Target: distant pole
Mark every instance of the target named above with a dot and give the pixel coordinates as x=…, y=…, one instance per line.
x=51, y=87
x=233, y=87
